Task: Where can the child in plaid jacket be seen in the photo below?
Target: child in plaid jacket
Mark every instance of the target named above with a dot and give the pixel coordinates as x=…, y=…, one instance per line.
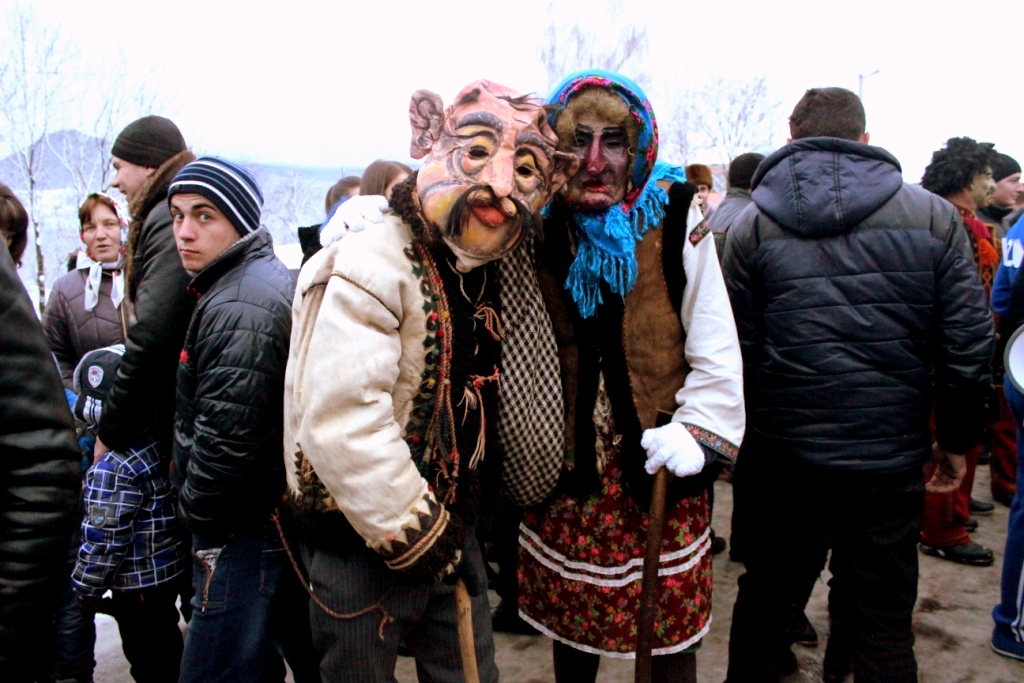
x=132, y=544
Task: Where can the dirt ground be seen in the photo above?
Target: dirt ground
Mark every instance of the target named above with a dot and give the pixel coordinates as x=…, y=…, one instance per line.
x=952, y=621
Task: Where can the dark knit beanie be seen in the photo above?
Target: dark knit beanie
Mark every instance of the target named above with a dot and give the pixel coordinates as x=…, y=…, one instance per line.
x=699, y=174
x=230, y=187
x=1003, y=166
x=148, y=142
x=741, y=170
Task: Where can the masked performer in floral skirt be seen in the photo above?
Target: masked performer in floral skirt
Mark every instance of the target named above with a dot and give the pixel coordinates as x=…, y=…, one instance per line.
x=652, y=377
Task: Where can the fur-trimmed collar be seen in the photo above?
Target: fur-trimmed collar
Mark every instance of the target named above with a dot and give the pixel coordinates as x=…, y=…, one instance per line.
x=152, y=192
x=154, y=189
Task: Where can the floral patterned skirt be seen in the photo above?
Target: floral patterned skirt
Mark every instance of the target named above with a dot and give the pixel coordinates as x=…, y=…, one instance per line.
x=581, y=570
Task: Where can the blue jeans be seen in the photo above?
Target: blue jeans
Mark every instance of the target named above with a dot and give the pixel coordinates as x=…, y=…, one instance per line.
x=1009, y=613
x=230, y=633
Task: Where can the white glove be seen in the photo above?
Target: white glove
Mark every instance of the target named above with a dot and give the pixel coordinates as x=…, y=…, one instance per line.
x=354, y=215
x=673, y=447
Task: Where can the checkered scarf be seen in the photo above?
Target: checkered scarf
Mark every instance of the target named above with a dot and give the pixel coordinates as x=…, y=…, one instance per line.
x=530, y=431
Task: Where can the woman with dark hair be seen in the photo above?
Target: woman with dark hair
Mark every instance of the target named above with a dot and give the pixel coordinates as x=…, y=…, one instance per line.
x=380, y=176
x=86, y=309
x=13, y=224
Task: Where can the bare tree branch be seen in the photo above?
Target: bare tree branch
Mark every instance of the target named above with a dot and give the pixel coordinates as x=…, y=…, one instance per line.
x=677, y=130
x=571, y=47
x=288, y=201
x=58, y=121
x=32, y=98
x=116, y=99
x=728, y=116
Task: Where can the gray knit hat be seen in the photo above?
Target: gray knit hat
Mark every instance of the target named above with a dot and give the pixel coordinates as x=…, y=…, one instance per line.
x=148, y=142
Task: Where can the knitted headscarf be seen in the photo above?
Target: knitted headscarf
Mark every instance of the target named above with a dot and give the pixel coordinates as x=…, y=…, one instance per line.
x=607, y=240
x=85, y=261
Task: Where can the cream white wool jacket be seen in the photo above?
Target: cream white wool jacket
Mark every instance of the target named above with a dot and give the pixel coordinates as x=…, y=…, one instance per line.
x=353, y=370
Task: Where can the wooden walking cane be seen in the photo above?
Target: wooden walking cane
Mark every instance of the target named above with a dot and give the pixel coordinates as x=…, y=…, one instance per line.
x=464, y=624
x=649, y=591
x=652, y=558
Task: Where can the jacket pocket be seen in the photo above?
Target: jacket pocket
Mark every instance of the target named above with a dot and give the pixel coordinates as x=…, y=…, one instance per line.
x=209, y=593
x=273, y=561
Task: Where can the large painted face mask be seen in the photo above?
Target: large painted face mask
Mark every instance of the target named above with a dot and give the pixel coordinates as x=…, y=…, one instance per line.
x=490, y=165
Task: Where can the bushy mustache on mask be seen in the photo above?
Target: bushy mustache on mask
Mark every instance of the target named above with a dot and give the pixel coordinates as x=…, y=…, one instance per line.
x=521, y=226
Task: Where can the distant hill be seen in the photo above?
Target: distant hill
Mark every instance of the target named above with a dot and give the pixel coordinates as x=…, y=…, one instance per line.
x=54, y=175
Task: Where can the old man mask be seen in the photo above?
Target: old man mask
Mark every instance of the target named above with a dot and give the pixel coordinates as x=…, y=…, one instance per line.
x=490, y=165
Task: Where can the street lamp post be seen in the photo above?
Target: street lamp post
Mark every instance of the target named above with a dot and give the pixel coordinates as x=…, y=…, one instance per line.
x=863, y=77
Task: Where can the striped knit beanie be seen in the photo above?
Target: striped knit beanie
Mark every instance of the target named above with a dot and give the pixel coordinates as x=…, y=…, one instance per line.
x=230, y=187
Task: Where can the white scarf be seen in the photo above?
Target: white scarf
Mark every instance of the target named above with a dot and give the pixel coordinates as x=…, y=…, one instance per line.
x=95, y=276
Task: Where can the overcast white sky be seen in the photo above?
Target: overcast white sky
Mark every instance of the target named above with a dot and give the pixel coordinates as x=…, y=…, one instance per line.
x=328, y=84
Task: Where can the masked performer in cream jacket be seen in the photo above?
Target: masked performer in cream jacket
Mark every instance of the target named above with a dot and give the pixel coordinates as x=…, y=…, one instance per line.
x=392, y=388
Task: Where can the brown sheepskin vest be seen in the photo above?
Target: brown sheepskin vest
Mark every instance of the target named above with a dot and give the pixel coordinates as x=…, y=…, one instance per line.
x=653, y=336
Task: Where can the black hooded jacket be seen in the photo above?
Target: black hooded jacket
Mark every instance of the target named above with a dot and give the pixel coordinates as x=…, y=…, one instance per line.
x=858, y=307
x=229, y=424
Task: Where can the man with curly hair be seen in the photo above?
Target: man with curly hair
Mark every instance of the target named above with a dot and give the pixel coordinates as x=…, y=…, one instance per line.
x=961, y=173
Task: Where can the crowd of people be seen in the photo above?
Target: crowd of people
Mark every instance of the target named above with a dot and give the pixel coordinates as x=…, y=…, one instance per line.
x=486, y=360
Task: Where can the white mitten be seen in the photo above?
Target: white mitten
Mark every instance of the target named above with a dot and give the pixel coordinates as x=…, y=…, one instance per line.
x=673, y=447
x=354, y=215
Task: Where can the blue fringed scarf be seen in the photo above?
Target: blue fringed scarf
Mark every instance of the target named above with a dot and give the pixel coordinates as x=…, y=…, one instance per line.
x=607, y=242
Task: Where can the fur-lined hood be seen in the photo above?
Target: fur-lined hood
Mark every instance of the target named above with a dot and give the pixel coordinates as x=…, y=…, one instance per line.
x=152, y=192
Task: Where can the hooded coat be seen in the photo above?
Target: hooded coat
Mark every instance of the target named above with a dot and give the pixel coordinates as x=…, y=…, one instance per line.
x=857, y=304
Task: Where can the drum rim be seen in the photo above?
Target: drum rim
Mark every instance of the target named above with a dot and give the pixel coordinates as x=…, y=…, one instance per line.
x=1017, y=384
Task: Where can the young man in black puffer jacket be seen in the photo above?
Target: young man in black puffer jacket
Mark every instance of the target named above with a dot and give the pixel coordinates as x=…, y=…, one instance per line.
x=858, y=305
x=227, y=463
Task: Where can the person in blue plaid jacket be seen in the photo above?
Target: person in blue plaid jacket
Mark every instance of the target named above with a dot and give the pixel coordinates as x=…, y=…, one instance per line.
x=132, y=543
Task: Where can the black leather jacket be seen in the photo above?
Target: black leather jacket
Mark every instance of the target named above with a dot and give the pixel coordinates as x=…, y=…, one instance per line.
x=40, y=479
x=142, y=396
x=858, y=308
x=229, y=425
